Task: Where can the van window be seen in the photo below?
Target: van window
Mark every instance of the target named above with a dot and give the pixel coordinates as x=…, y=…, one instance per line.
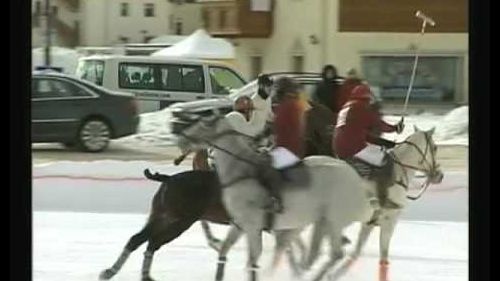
x=186, y=78
x=223, y=80
x=136, y=76
x=91, y=70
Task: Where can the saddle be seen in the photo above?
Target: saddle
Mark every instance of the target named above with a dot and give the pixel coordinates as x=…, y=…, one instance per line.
x=295, y=176
x=382, y=176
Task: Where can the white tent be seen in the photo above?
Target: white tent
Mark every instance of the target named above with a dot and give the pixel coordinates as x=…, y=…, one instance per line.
x=59, y=57
x=199, y=45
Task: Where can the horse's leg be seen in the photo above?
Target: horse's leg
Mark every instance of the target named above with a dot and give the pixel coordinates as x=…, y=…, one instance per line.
x=302, y=247
x=232, y=236
x=317, y=235
x=213, y=242
x=363, y=235
x=296, y=266
x=167, y=233
x=133, y=243
x=254, y=239
x=282, y=241
x=336, y=251
x=387, y=226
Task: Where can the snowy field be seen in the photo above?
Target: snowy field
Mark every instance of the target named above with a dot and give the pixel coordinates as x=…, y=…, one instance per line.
x=451, y=128
x=84, y=213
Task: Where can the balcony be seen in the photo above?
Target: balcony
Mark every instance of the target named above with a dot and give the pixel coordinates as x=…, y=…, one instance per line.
x=237, y=18
x=73, y=5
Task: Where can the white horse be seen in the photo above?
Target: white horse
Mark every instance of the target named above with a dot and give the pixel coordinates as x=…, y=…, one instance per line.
x=335, y=193
x=416, y=153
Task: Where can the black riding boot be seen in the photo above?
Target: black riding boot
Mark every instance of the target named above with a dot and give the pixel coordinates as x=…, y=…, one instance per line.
x=384, y=178
x=270, y=178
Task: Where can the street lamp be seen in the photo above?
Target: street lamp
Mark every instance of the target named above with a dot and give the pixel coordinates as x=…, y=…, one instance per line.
x=48, y=32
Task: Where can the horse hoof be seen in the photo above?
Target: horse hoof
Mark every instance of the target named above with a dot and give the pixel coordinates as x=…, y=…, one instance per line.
x=147, y=279
x=106, y=274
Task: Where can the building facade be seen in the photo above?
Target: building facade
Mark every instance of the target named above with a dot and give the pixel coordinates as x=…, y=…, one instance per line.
x=112, y=22
x=378, y=37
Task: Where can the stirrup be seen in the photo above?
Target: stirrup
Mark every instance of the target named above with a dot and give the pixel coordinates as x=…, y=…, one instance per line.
x=275, y=206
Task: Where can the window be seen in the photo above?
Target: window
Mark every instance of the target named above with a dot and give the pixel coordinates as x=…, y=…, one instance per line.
x=136, y=76
x=256, y=66
x=38, y=7
x=298, y=63
x=205, y=16
x=223, y=80
x=184, y=78
x=91, y=70
x=178, y=28
x=435, y=80
x=123, y=39
x=260, y=5
x=148, y=38
x=124, y=12
x=52, y=88
x=149, y=9
x=222, y=19
x=55, y=10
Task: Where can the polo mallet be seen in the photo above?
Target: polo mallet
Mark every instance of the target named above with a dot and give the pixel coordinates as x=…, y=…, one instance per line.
x=425, y=20
x=181, y=158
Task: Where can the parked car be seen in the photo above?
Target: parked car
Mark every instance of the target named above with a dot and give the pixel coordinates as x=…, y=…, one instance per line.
x=181, y=112
x=158, y=82
x=77, y=113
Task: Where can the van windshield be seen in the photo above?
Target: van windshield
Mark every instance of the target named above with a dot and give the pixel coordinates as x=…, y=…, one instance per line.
x=91, y=70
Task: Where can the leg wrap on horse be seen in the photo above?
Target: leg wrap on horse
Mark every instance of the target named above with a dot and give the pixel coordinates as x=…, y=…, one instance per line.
x=121, y=260
x=253, y=272
x=383, y=270
x=221, y=263
x=146, y=265
x=110, y=272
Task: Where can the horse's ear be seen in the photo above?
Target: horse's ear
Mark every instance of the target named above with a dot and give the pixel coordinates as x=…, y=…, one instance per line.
x=415, y=128
x=431, y=131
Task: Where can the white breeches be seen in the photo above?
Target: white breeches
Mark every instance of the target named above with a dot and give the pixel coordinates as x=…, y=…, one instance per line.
x=283, y=157
x=372, y=154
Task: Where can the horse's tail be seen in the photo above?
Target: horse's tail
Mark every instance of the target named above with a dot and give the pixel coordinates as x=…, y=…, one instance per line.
x=156, y=176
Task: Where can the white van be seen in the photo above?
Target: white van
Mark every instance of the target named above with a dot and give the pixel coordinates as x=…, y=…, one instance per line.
x=159, y=82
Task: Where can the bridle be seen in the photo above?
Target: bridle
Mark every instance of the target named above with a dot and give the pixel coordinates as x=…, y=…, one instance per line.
x=430, y=166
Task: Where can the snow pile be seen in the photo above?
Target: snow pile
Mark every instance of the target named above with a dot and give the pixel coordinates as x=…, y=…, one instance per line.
x=454, y=126
x=450, y=129
x=59, y=57
x=153, y=130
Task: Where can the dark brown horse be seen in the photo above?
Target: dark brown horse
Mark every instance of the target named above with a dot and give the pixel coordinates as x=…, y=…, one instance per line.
x=187, y=197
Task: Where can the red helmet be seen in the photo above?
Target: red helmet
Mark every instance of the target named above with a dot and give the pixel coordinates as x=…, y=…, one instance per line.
x=361, y=92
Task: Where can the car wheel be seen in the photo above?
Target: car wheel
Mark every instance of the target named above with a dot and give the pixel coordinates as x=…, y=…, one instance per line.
x=94, y=135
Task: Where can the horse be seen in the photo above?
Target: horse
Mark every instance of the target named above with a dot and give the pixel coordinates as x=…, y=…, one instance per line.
x=336, y=195
x=318, y=135
x=181, y=200
x=416, y=153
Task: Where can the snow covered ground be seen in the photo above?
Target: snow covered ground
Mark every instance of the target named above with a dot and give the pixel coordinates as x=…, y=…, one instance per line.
x=451, y=128
x=84, y=213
